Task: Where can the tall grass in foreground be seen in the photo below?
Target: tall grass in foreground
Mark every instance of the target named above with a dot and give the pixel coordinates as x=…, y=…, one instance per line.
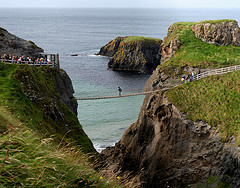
x=215, y=100
x=28, y=160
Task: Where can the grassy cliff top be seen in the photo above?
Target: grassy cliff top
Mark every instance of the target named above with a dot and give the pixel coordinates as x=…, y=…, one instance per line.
x=141, y=39
x=46, y=114
x=34, y=151
x=217, y=21
x=215, y=100
x=195, y=53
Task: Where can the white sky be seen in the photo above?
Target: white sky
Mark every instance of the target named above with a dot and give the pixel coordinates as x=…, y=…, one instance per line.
x=123, y=3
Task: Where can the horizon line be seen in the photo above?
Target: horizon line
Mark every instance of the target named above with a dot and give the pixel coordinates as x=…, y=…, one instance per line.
x=124, y=7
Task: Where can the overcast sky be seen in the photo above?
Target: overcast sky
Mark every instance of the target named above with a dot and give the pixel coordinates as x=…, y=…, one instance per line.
x=123, y=3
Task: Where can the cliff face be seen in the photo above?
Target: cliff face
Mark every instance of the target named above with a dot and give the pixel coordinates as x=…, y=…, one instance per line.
x=220, y=34
x=164, y=149
x=64, y=86
x=11, y=44
x=51, y=94
x=132, y=54
x=170, y=45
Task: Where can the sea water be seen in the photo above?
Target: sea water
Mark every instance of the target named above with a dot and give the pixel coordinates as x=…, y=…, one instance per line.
x=84, y=32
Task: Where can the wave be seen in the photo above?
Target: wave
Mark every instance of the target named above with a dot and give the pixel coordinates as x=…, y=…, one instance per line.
x=99, y=147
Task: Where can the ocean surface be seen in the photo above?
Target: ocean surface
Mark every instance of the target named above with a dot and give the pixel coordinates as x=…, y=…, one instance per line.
x=84, y=32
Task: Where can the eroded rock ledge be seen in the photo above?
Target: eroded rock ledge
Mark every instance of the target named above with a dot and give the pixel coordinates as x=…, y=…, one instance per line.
x=221, y=33
x=164, y=149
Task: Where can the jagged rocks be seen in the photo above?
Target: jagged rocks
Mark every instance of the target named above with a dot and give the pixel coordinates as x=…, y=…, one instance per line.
x=220, y=33
x=140, y=54
x=163, y=149
x=11, y=44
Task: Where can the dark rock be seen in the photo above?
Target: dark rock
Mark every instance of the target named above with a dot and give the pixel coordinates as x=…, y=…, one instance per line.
x=11, y=44
x=132, y=55
x=64, y=86
x=164, y=149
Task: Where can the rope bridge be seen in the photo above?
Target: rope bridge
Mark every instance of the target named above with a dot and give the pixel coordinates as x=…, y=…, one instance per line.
x=196, y=77
x=128, y=95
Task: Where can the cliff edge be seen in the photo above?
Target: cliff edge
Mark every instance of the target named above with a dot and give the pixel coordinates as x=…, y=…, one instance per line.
x=189, y=135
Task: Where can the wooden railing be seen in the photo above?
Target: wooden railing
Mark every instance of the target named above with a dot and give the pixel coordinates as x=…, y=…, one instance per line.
x=33, y=63
x=52, y=62
x=214, y=72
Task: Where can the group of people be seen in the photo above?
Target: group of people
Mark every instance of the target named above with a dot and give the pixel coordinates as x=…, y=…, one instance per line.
x=189, y=77
x=25, y=60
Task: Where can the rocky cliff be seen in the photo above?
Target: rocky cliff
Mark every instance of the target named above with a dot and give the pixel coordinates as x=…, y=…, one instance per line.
x=138, y=54
x=164, y=148
x=51, y=93
x=11, y=44
x=221, y=33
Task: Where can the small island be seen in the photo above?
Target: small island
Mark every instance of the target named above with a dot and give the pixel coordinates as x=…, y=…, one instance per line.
x=133, y=53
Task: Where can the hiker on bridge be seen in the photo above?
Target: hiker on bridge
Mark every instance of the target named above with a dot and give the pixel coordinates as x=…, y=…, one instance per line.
x=119, y=91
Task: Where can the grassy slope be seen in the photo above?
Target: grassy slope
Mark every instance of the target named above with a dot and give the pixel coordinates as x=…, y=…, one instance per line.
x=30, y=160
x=38, y=115
x=30, y=152
x=195, y=53
x=215, y=100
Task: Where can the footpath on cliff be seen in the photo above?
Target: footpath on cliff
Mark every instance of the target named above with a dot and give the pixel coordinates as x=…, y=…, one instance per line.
x=188, y=135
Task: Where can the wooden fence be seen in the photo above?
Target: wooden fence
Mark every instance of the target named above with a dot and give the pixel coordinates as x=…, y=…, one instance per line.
x=53, y=62
x=214, y=72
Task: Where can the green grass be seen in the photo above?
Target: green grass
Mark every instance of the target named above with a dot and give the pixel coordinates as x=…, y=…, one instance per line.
x=48, y=115
x=195, y=53
x=217, y=21
x=214, y=100
x=140, y=38
x=35, y=148
x=27, y=159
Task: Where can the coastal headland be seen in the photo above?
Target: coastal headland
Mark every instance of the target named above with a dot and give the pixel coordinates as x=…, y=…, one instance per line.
x=185, y=136
x=188, y=135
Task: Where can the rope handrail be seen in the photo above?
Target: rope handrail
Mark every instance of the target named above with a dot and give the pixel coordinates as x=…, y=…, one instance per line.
x=195, y=77
x=120, y=96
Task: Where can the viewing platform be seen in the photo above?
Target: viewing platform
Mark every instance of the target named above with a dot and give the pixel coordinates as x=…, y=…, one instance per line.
x=44, y=59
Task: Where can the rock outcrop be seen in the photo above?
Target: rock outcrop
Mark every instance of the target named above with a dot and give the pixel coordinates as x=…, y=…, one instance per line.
x=51, y=92
x=163, y=149
x=170, y=44
x=220, y=33
x=64, y=86
x=11, y=44
x=138, y=54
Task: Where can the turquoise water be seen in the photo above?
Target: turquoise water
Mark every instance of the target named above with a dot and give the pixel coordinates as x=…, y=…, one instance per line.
x=84, y=32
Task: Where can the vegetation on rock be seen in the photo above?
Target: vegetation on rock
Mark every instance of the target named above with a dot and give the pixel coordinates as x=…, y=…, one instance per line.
x=195, y=53
x=36, y=146
x=215, y=100
x=133, y=53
